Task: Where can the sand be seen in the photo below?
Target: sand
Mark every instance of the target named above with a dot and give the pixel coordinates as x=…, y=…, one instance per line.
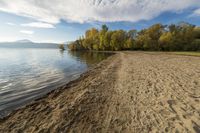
x=130, y=92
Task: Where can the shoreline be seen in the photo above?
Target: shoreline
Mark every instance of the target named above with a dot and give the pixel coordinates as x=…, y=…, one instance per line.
x=127, y=92
x=58, y=89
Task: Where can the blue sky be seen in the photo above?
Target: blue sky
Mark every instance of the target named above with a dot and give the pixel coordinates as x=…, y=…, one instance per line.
x=60, y=21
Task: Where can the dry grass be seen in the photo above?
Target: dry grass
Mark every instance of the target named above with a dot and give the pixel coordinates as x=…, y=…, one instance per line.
x=187, y=53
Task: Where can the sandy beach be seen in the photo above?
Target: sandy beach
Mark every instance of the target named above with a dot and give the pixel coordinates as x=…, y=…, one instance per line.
x=129, y=92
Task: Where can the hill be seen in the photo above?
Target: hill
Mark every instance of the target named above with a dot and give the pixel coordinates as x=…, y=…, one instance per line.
x=27, y=44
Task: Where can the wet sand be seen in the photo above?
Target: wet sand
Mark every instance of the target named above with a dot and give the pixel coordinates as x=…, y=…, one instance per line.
x=129, y=92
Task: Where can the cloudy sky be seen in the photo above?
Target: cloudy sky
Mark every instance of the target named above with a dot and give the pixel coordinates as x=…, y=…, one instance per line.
x=66, y=20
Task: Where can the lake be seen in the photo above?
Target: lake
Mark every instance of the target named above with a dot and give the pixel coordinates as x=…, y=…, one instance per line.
x=27, y=74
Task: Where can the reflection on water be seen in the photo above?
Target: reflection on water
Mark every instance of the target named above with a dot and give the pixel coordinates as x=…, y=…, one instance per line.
x=89, y=57
x=26, y=74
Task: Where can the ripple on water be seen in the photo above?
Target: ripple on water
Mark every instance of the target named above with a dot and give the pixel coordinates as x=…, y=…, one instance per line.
x=27, y=74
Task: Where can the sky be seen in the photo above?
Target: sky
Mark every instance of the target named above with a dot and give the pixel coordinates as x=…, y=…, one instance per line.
x=66, y=20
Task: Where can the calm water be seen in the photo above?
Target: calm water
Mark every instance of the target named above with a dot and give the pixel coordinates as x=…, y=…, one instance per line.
x=26, y=74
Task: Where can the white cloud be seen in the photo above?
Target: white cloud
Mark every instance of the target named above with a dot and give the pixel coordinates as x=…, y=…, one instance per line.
x=94, y=10
x=38, y=25
x=197, y=12
x=11, y=24
x=27, y=32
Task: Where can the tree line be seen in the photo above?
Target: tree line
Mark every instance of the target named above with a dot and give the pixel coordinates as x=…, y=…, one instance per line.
x=158, y=37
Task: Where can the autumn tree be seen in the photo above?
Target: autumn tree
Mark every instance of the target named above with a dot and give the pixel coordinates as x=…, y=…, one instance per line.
x=175, y=37
x=102, y=35
x=91, y=39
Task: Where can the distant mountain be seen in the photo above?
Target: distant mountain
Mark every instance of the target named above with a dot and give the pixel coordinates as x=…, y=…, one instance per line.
x=27, y=44
x=24, y=41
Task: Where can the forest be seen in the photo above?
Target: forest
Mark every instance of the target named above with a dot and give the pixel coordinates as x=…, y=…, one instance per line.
x=158, y=37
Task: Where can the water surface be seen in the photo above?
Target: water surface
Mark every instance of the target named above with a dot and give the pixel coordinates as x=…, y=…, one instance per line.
x=27, y=74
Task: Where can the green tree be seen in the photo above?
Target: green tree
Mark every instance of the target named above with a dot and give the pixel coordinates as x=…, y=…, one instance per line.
x=107, y=40
x=149, y=38
x=129, y=44
x=179, y=37
x=118, y=40
x=91, y=38
x=165, y=41
x=104, y=30
x=197, y=32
